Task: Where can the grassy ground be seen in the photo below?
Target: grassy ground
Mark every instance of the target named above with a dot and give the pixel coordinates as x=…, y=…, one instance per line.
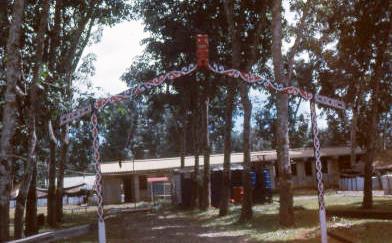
x=265, y=226
x=74, y=215
x=197, y=226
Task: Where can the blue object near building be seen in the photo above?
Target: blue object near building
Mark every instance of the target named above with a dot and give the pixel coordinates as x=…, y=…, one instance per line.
x=267, y=179
x=253, y=178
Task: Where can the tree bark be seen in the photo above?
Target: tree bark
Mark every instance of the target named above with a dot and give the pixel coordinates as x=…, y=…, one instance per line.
x=353, y=135
x=206, y=168
x=4, y=24
x=51, y=209
x=371, y=152
x=13, y=74
x=247, y=201
x=60, y=175
x=195, y=137
x=25, y=185
x=235, y=47
x=226, y=175
x=286, y=212
x=31, y=206
x=183, y=139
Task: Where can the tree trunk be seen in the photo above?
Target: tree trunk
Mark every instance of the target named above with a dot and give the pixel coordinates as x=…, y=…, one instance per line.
x=206, y=143
x=195, y=136
x=286, y=213
x=4, y=25
x=25, y=185
x=370, y=155
x=235, y=57
x=31, y=206
x=34, y=100
x=183, y=139
x=226, y=175
x=60, y=175
x=199, y=180
x=353, y=135
x=195, y=196
x=246, y=210
x=13, y=74
x=52, y=186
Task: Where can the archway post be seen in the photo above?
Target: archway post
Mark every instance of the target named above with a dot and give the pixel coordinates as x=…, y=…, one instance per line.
x=319, y=173
x=98, y=178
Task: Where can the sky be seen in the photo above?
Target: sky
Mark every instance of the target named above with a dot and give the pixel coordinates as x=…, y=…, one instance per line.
x=116, y=50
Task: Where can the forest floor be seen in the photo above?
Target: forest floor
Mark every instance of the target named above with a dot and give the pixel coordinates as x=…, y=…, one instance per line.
x=172, y=225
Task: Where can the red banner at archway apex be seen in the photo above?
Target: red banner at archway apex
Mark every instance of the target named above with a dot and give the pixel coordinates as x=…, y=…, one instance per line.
x=202, y=50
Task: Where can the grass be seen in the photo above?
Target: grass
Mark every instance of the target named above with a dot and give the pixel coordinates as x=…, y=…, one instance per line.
x=264, y=227
x=74, y=218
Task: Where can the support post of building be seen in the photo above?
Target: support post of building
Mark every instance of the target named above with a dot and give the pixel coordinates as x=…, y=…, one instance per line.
x=319, y=174
x=135, y=188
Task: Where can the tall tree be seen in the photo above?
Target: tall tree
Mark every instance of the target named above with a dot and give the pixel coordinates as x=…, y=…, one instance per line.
x=246, y=36
x=286, y=212
x=13, y=74
x=31, y=206
x=51, y=207
x=34, y=100
x=357, y=66
x=231, y=92
x=376, y=80
x=206, y=198
x=61, y=170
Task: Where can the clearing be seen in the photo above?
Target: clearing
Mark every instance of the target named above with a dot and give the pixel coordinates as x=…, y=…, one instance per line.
x=171, y=225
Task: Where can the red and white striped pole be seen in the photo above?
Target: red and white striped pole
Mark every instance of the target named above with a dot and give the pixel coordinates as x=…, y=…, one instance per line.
x=98, y=177
x=319, y=174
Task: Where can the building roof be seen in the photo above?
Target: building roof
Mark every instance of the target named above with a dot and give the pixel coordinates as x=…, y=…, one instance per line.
x=161, y=164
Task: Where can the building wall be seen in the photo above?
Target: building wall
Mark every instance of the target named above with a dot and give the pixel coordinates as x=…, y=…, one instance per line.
x=308, y=180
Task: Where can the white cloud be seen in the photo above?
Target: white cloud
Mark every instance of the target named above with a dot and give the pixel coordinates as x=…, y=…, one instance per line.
x=115, y=53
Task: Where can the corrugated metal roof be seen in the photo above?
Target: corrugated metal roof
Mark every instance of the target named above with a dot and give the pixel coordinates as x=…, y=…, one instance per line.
x=215, y=160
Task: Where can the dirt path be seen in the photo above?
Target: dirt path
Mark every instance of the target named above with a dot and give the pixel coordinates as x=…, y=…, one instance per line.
x=160, y=227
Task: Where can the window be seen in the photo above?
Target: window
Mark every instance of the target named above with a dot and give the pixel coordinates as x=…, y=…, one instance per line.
x=308, y=168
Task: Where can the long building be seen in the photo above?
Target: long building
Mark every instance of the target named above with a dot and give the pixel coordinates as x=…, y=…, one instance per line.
x=128, y=180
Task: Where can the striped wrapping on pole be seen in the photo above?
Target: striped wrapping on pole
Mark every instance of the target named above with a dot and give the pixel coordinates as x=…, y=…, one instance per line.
x=319, y=174
x=98, y=178
x=255, y=79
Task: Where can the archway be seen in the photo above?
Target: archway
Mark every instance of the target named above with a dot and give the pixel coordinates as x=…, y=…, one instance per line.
x=203, y=63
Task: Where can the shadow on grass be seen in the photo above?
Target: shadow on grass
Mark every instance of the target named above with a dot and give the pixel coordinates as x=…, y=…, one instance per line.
x=207, y=226
x=264, y=227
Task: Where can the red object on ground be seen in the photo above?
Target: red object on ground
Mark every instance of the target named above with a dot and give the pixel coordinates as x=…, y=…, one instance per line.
x=157, y=179
x=238, y=193
x=202, y=50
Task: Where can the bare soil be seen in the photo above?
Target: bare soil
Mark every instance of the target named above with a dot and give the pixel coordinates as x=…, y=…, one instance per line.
x=160, y=227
